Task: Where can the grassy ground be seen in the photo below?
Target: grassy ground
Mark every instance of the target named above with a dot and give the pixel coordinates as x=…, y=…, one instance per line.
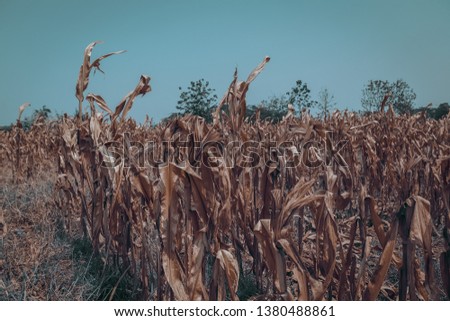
x=40, y=259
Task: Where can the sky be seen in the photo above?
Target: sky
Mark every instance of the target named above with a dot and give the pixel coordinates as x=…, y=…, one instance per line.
x=338, y=45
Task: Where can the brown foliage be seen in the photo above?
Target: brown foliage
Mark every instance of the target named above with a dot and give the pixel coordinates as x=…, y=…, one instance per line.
x=189, y=226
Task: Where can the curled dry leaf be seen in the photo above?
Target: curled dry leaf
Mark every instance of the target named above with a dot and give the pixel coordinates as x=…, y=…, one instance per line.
x=85, y=70
x=22, y=109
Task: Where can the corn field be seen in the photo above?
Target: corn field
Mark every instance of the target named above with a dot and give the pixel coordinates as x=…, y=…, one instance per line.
x=348, y=207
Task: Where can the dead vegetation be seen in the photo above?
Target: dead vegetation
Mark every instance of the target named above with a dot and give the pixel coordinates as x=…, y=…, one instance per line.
x=345, y=208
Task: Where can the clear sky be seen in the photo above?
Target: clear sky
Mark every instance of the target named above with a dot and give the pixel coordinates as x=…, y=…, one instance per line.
x=338, y=45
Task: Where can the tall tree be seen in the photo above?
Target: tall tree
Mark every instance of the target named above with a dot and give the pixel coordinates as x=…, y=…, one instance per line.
x=398, y=93
x=441, y=111
x=326, y=102
x=300, y=97
x=199, y=99
x=41, y=114
x=44, y=112
x=403, y=97
x=373, y=94
x=272, y=109
x=437, y=113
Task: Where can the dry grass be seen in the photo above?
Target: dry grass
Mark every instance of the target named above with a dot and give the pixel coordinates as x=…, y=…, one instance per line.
x=38, y=263
x=40, y=259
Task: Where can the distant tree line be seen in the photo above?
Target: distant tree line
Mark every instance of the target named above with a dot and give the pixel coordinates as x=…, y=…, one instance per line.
x=200, y=99
x=40, y=114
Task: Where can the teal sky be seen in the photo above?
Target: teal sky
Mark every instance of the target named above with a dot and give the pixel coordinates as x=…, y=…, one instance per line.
x=338, y=45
